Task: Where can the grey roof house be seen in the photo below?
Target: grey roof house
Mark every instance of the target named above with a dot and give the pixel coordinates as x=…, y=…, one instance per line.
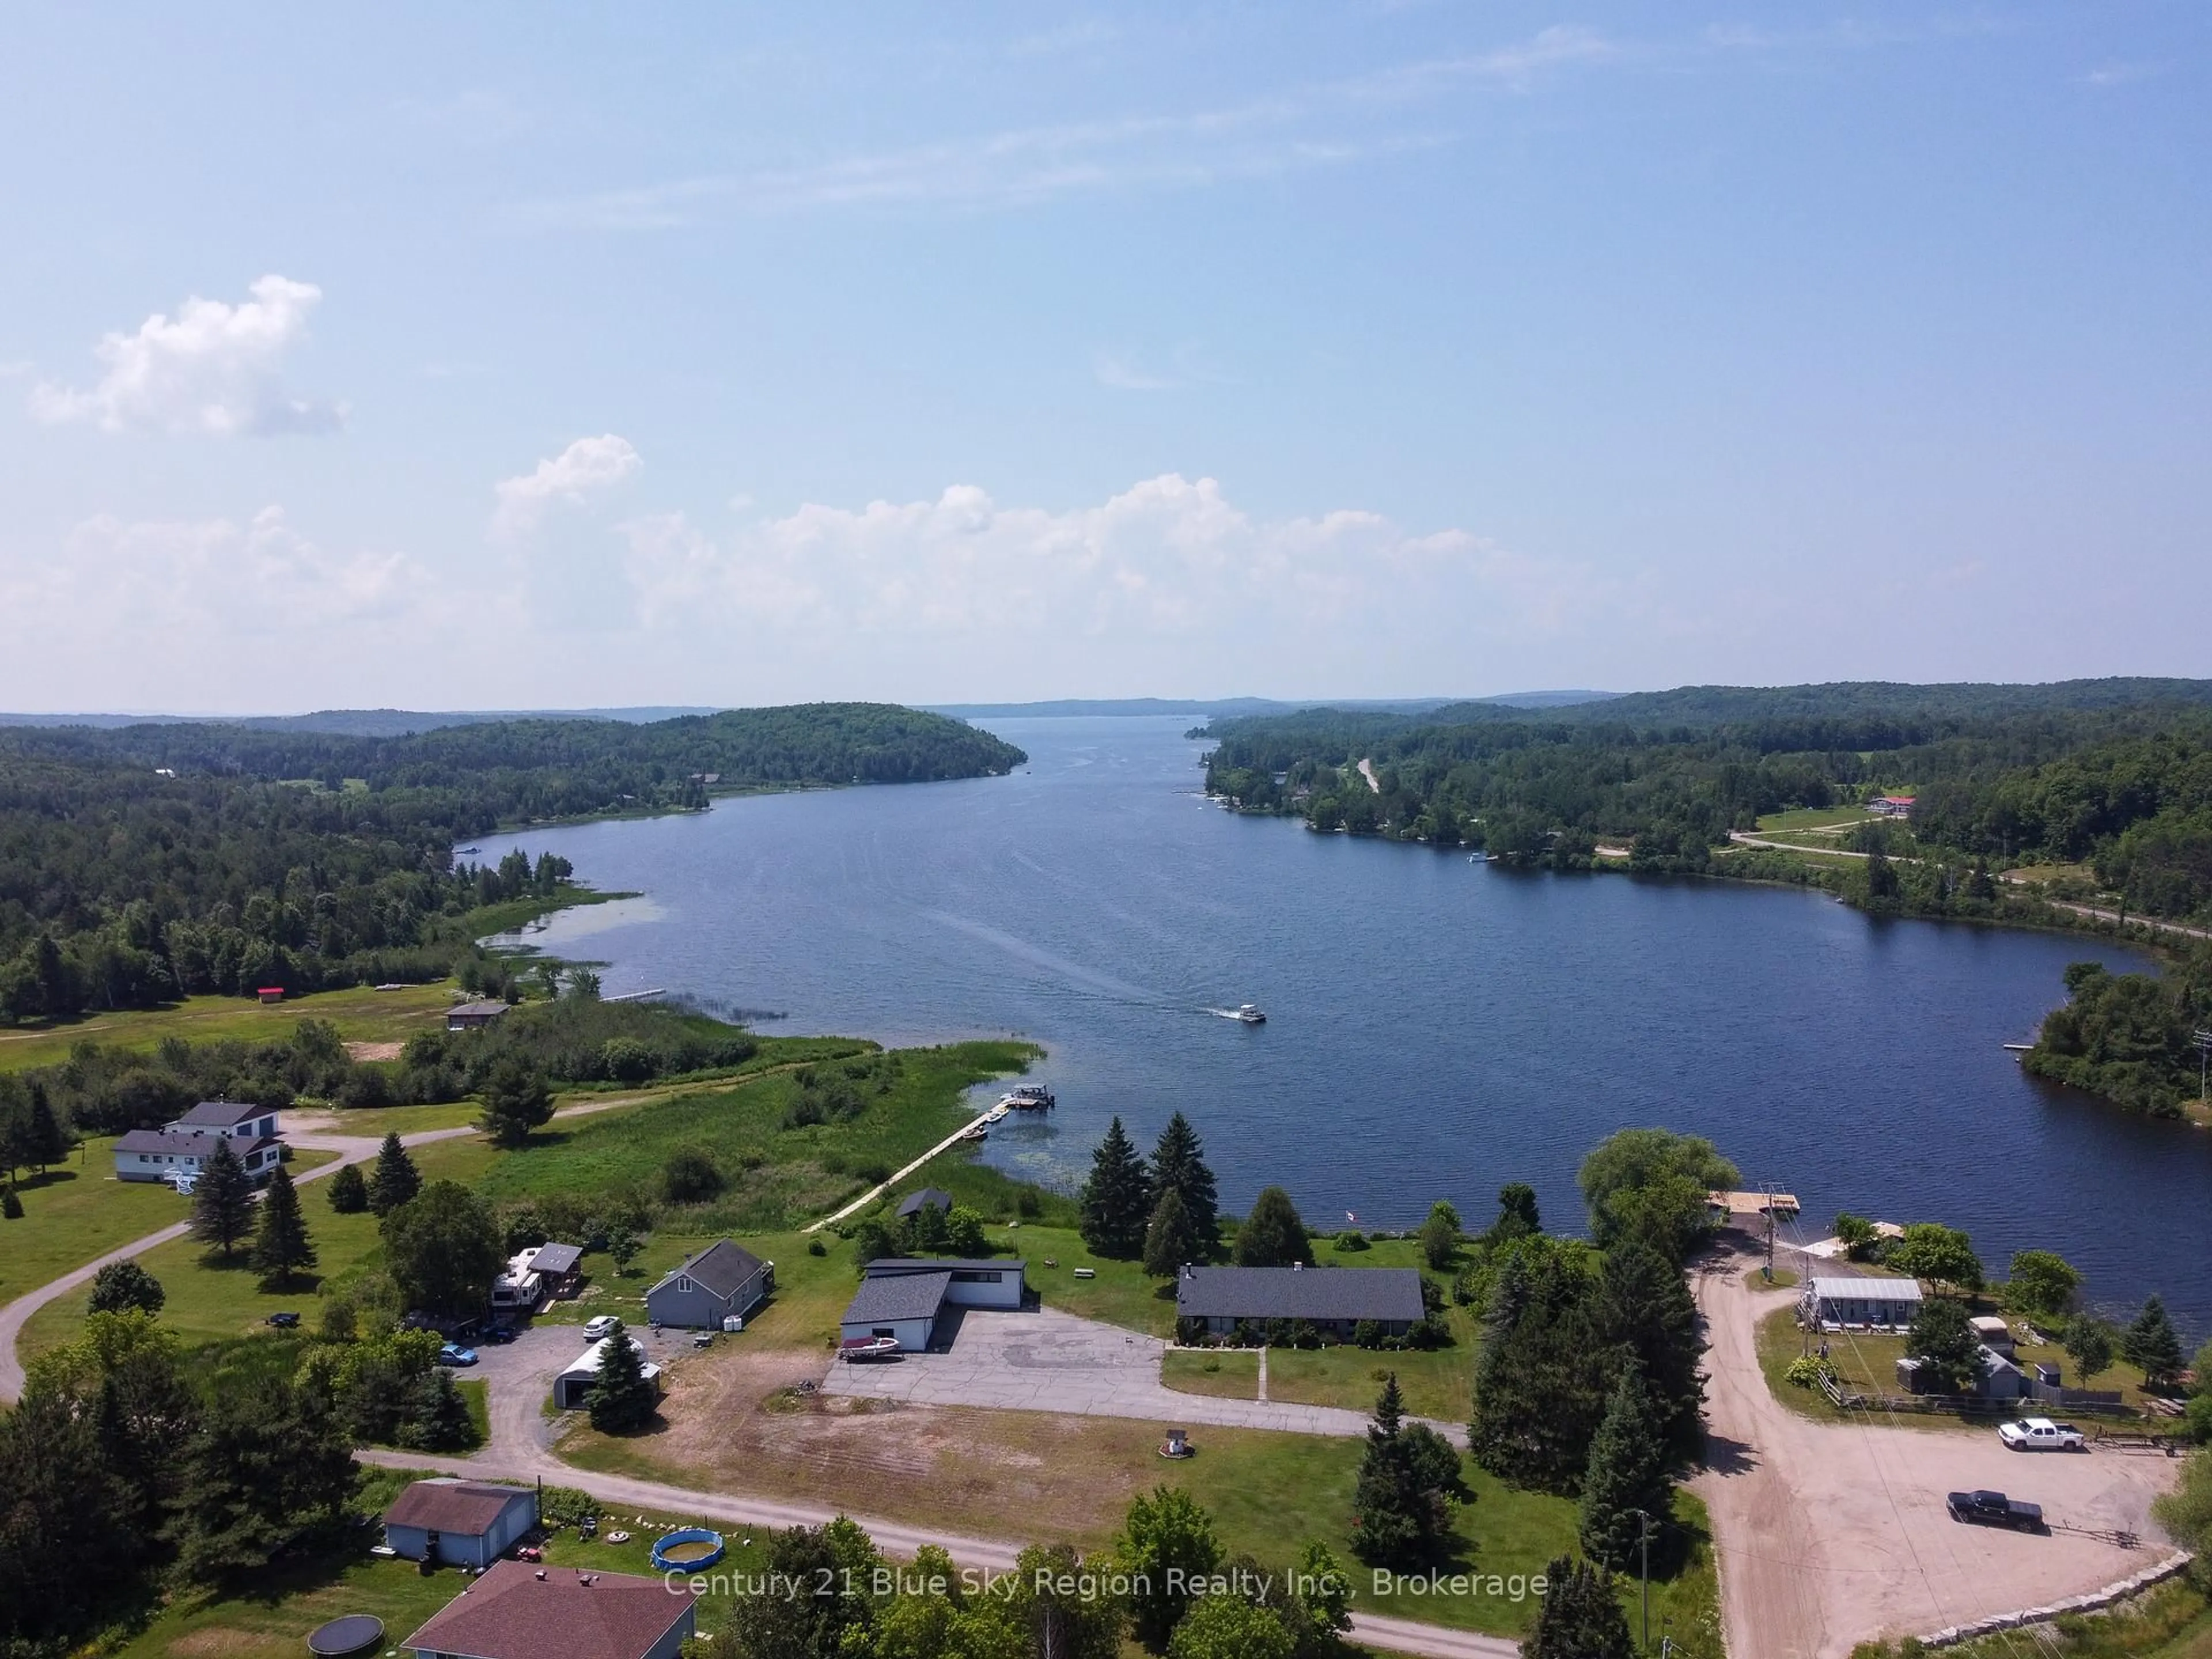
x=181, y=1147
x=724, y=1281
x=1333, y=1300
x=905, y=1296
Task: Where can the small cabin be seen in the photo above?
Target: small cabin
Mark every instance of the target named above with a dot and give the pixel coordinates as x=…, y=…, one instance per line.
x=463, y=1523
x=270, y=995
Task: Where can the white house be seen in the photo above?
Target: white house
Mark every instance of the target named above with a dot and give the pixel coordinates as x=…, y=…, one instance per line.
x=182, y=1146
x=903, y=1298
x=1830, y=1304
x=583, y=1373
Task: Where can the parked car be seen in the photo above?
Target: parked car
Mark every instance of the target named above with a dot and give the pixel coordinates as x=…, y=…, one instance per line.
x=599, y=1326
x=2041, y=1434
x=285, y=1322
x=455, y=1354
x=1993, y=1509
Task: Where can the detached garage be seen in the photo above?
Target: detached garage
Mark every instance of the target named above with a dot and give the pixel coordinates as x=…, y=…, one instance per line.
x=464, y=1523
x=903, y=1298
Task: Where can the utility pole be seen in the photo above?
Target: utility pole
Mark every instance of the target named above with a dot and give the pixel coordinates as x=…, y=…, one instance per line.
x=2202, y=1038
x=1644, y=1530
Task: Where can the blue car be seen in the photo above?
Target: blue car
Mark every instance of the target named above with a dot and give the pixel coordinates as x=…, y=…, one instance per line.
x=454, y=1354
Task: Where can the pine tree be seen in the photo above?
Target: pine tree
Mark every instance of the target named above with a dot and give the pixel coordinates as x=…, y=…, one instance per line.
x=1645, y=1307
x=1628, y=1473
x=395, y=1180
x=1398, y=1514
x=1116, y=1199
x=1171, y=1238
x=349, y=1193
x=440, y=1420
x=1274, y=1235
x=516, y=1099
x=2152, y=1344
x=1580, y=1618
x=1179, y=1161
x=44, y=1140
x=281, y=1245
x=623, y=1399
x=222, y=1199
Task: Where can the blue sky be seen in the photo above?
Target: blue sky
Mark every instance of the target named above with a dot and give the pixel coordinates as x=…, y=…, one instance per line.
x=492, y=356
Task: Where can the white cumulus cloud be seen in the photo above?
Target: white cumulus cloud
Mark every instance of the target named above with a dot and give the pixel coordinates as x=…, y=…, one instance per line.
x=586, y=468
x=213, y=368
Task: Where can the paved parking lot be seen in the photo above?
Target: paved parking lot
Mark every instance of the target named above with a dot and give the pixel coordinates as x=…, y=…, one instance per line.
x=1043, y=1360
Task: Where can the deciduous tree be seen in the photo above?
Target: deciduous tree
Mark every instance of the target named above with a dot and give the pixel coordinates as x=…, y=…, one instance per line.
x=2042, y=1282
x=1166, y=1540
x=442, y=1249
x=121, y=1285
x=1942, y=1337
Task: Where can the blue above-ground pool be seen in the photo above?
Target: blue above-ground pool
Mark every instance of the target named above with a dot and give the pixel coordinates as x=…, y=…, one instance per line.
x=688, y=1549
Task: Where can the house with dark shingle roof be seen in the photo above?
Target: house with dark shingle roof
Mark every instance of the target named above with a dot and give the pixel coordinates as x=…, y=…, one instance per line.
x=929, y=1197
x=1333, y=1300
x=465, y=1524
x=183, y=1146
x=516, y=1611
x=904, y=1296
x=723, y=1281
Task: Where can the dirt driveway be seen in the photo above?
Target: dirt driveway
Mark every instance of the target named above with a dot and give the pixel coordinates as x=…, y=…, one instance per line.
x=1832, y=1533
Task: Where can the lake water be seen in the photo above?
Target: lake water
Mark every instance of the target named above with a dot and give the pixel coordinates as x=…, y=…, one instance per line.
x=1435, y=1027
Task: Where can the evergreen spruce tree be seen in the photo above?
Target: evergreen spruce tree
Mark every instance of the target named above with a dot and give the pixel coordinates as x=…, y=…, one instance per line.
x=222, y=1199
x=395, y=1180
x=1172, y=1238
x=44, y=1140
x=1628, y=1473
x=1274, y=1234
x=439, y=1420
x=623, y=1399
x=516, y=1099
x=1580, y=1618
x=2152, y=1343
x=349, y=1193
x=1179, y=1161
x=1407, y=1474
x=1116, y=1199
x=1644, y=1307
x=281, y=1245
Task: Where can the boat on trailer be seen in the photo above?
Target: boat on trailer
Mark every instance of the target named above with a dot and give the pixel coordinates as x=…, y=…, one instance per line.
x=854, y=1349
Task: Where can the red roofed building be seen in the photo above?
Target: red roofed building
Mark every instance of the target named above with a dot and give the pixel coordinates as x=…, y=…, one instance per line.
x=517, y=1611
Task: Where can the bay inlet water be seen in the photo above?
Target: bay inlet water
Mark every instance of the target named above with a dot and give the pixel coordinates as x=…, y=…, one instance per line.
x=1435, y=1027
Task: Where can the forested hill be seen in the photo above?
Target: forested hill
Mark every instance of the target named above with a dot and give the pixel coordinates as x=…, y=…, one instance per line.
x=143, y=862
x=2115, y=774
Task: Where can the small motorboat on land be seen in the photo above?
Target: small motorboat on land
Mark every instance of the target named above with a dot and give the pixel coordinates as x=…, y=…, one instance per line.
x=1250, y=1014
x=1029, y=1097
x=853, y=1349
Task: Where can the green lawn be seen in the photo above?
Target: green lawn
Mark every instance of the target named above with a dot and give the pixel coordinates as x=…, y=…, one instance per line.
x=1226, y=1373
x=209, y=1301
x=1814, y=818
x=776, y=1176
x=361, y=1014
x=76, y=1212
x=1438, y=1384
x=1121, y=1293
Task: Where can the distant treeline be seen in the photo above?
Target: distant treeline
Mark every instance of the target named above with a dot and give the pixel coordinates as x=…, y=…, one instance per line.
x=146, y=862
x=2116, y=773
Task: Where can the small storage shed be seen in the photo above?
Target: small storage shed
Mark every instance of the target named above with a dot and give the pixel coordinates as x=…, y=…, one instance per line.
x=929, y=1197
x=1834, y=1304
x=464, y=1523
x=473, y=1016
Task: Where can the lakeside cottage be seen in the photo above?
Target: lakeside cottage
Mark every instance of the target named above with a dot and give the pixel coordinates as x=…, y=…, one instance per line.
x=516, y=1611
x=183, y=1146
x=473, y=1016
x=905, y=1297
x=1830, y=1304
x=724, y=1281
x=1334, y=1300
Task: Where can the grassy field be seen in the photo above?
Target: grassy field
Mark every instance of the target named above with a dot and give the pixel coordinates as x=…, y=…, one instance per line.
x=1814, y=818
x=1225, y=1373
x=1865, y=1361
x=211, y=1303
x=776, y=1176
x=361, y=1014
x=2170, y=1622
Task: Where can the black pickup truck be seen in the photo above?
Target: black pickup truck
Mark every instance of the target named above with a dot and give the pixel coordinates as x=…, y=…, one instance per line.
x=1993, y=1509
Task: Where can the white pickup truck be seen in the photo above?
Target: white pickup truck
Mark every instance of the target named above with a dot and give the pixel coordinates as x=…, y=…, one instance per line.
x=2041, y=1434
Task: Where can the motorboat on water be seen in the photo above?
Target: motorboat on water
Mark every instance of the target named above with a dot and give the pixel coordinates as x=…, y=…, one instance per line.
x=1029, y=1097
x=1251, y=1015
